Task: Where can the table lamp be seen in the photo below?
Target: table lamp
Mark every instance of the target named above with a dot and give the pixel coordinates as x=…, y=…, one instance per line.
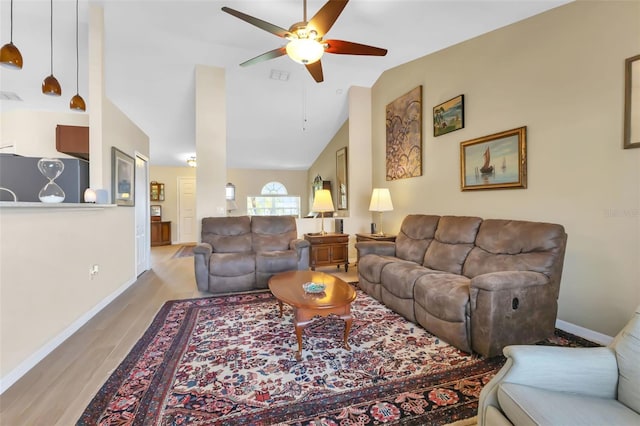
x=322, y=202
x=380, y=202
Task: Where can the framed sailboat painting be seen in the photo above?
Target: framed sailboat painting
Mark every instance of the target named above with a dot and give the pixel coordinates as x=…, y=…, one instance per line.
x=494, y=162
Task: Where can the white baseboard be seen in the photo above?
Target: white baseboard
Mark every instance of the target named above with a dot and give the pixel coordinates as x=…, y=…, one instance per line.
x=14, y=375
x=585, y=333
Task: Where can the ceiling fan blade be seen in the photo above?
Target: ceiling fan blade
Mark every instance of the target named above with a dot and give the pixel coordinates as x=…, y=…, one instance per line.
x=324, y=19
x=264, y=25
x=342, y=47
x=265, y=56
x=315, y=69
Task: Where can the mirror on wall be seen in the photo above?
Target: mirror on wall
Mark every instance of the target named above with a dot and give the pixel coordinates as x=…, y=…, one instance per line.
x=341, y=179
x=632, y=103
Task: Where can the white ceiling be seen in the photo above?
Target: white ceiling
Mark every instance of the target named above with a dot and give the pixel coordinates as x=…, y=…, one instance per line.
x=152, y=47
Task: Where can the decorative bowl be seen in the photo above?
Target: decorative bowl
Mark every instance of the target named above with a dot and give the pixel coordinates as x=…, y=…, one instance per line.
x=312, y=287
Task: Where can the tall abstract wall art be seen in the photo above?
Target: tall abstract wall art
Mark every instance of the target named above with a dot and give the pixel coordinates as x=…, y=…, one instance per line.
x=404, y=136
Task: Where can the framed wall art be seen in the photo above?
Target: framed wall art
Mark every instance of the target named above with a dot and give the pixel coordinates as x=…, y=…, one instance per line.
x=404, y=136
x=122, y=178
x=632, y=102
x=448, y=116
x=495, y=161
x=341, y=179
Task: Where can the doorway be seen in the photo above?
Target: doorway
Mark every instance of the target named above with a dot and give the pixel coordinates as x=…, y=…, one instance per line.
x=187, y=222
x=142, y=221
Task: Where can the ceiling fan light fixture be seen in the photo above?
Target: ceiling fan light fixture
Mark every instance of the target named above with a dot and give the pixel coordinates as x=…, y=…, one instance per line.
x=305, y=51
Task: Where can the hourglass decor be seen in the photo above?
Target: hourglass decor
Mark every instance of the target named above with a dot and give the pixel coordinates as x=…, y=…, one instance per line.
x=51, y=168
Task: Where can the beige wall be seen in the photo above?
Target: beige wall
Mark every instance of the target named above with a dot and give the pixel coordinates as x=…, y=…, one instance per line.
x=248, y=182
x=18, y=136
x=46, y=289
x=561, y=75
x=325, y=166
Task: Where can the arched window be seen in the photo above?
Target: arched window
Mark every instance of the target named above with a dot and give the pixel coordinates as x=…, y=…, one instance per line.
x=273, y=201
x=274, y=188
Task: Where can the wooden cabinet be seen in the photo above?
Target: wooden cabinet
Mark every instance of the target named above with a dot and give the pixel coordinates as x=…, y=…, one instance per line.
x=328, y=249
x=156, y=191
x=73, y=140
x=160, y=233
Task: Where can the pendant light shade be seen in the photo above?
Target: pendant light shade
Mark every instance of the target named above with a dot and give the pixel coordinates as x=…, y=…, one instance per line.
x=77, y=103
x=50, y=85
x=10, y=56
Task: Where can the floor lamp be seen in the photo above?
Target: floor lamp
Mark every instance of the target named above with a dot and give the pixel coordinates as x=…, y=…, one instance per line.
x=322, y=202
x=380, y=202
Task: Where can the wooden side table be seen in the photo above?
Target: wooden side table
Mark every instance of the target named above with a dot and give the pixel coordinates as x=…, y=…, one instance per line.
x=160, y=233
x=375, y=237
x=328, y=249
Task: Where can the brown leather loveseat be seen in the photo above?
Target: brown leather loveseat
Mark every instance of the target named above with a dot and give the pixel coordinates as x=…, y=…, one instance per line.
x=242, y=253
x=479, y=285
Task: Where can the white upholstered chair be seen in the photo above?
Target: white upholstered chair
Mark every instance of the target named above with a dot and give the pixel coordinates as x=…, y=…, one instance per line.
x=544, y=385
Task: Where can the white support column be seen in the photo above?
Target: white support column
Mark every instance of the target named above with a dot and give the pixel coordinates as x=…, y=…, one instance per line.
x=211, y=142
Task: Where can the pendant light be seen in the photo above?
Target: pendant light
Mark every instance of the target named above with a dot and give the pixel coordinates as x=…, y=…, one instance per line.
x=77, y=103
x=50, y=85
x=10, y=56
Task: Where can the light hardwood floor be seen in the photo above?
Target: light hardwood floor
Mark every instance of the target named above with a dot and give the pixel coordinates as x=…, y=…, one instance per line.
x=58, y=389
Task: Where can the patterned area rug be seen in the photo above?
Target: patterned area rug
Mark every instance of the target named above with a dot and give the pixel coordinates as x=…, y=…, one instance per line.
x=230, y=361
x=184, y=251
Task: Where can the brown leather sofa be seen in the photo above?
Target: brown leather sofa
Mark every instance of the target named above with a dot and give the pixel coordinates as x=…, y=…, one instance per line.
x=479, y=285
x=242, y=253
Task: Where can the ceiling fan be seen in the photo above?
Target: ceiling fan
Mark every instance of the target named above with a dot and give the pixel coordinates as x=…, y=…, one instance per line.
x=305, y=44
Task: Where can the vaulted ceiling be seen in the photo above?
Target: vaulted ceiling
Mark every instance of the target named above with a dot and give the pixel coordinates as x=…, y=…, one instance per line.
x=152, y=47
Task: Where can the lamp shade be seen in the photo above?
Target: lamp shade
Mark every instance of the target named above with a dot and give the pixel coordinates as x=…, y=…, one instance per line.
x=10, y=56
x=380, y=200
x=304, y=50
x=230, y=191
x=322, y=201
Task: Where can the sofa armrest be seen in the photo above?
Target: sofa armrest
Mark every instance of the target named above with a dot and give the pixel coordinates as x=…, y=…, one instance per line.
x=510, y=308
x=383, y=248
x=585, y=371
x=507, y=280
x=201, y=255
x=302, y=248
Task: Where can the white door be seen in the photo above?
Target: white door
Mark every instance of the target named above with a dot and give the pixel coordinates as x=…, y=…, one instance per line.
x=187, y=221
x=143, y=242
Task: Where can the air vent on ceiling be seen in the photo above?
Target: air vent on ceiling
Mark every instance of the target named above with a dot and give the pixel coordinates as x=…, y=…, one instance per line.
x=9, y=96
x=279, y=75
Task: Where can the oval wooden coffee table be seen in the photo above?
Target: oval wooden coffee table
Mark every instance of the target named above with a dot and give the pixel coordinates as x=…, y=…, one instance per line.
x=336, y=299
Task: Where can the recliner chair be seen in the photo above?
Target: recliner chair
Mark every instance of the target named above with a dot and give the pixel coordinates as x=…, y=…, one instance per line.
x=241, y=253
x=544, y=385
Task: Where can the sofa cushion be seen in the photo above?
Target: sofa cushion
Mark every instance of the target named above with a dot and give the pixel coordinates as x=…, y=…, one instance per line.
x=527, y=405
x=271, y=233
x=370, y=266
x=511, y=245
x=227, y=234
x=453, y=241
x=276, y=261
x=627, y=347
x=416, y=233
x=232, y=264
x=445, y=296
x=399, y=278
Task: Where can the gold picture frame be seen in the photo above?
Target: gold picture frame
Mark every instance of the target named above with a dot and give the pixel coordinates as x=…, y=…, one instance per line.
x=632, y=102
x=404, y=136
x=495, y=161
x=342, y=188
